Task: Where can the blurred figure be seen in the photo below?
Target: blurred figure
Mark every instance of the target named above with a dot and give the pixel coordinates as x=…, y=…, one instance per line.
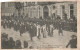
x=31, y=47
x=44, y=31
x=25, y=44
x=4, y=41
x=48, y=29
x=9, y=24
x=34, y=29
x=4, y=24
x=51, y=30
x=38, y=31
x=18, y=44
x=60, y=29
x=21, y=29
x=72, y=42
x=31, y=32
x=11, y=43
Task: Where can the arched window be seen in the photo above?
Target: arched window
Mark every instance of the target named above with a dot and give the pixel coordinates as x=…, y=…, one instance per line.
x=46, y=11
x=71, y=10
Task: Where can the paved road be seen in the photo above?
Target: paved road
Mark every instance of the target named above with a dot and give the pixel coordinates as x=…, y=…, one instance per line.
x=49, y=42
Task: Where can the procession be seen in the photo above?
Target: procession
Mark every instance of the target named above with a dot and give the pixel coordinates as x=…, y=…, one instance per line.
x=20, y=32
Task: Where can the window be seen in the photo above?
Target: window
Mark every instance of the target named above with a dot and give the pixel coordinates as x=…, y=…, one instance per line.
x=3, y=5
x=71, y=10
x=63, y=7
x=9, y=4
x=71, y=6
x=71, y=13
x=63, y=11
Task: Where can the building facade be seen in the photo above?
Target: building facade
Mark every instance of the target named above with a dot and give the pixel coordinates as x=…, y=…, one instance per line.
x=59, y=8
x=40, y=10
x=7, y=8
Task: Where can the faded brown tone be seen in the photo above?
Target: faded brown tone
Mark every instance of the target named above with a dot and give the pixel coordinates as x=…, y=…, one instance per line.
x=78, y=27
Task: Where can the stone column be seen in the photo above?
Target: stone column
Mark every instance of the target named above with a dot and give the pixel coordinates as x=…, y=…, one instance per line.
x=32, y=11
x=28, y=11
x=38, y=11
x=49, y=12
x=69, y=10
x=75, y=10
x=42, y=12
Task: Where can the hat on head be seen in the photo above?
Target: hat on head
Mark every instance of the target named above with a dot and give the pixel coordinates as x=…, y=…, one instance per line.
x=73, y=36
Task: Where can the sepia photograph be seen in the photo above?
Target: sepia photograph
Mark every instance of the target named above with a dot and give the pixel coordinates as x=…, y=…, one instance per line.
x=38, y=25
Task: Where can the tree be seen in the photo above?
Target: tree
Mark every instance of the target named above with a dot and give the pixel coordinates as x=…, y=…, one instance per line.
x=18, y=6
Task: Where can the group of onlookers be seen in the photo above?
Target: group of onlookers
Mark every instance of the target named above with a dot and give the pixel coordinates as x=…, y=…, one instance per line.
x=9, y=43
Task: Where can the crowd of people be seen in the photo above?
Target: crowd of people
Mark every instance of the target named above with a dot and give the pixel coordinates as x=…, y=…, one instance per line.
x=39, y=29
x=9, y=43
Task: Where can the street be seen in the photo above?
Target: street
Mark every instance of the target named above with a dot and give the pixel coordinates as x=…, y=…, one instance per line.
x=49, y=42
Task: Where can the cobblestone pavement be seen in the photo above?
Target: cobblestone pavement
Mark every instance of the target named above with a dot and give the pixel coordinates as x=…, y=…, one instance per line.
x=49, y=42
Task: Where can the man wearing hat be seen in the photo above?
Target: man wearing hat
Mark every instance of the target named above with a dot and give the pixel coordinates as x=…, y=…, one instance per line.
x=72, y=42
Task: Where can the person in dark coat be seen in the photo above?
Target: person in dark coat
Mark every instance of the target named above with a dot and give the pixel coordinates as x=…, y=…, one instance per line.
x=18, y=44
x=60, y=29
x=11, y=43
x=9, y=24
x=48, y=29
x=4, y=24
x=4, y=41
x=25, y=44
x=27, y=27
x=34, y=29
x=72, y=42
x=31, y=32
x=18, y=26
x=15, y=26
x=21, y=30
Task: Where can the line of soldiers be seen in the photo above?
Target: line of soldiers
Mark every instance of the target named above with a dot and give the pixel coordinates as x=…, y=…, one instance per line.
x=31, y=27
x=39, y=29
x=34, y=28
